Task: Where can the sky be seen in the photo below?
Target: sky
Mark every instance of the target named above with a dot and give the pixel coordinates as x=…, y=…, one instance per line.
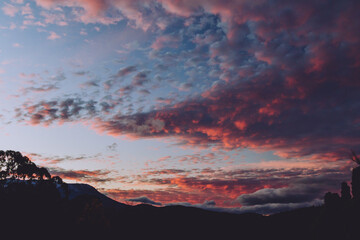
x=236, y=105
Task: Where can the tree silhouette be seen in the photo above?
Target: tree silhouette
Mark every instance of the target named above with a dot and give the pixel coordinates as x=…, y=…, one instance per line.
x=57, y=180
x=355, y=180
x=354, y=157
x=43, y=172
x=14, y=165
x=345, y=191
x=331, y=199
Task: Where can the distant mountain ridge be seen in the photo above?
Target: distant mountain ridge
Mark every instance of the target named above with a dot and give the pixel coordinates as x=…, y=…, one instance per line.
x=78, y=189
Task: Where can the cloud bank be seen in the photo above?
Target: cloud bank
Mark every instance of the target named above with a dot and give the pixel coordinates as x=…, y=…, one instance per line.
x=287, y=78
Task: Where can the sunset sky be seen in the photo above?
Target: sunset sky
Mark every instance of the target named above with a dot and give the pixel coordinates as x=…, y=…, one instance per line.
x=248, y=105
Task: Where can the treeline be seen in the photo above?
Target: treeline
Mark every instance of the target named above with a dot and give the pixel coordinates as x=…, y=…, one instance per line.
x=13, y=165
x=347, y=195
x=339, y=218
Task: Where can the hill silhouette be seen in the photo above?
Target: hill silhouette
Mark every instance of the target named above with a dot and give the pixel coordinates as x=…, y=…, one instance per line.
x=33, y=203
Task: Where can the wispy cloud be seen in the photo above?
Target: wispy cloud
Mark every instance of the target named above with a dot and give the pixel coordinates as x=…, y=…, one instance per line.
x=89, y=176
x=53, y=36
x=9, y=9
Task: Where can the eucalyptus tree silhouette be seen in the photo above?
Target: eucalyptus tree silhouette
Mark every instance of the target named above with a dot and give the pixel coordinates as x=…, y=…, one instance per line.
x=28, y=191
x=14, y=165
x=43, y=172
x=57, y=180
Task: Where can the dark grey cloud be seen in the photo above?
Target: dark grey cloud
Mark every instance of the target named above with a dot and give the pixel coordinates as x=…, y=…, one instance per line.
x=145, y=200
x=40, y=89
x=272, y=208
x=209, y=203
x=301, y=192
x=117, y=78
x=265, y=209
x=94, y=176
x=81, y=73
x=126, y=71
x=279, y=195
x=112, y=147
x=106, y=107
x=91, y=83
x=140, y=78
x=144, y=91
x=48, y=112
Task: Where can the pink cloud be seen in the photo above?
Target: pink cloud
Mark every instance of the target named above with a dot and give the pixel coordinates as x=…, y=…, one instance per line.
x=17, y=45
x=226, y=186
x=17, y=1
x=92, y=10
x=53, y=36
x=165, y=41
x=10, y=10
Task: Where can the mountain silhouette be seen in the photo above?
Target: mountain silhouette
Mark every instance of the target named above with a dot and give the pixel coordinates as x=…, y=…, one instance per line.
x=79, y=189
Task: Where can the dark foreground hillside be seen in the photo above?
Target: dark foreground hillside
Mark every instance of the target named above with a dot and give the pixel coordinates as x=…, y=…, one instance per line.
x=192, y=223
x=35, y=205
x=29, y=210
